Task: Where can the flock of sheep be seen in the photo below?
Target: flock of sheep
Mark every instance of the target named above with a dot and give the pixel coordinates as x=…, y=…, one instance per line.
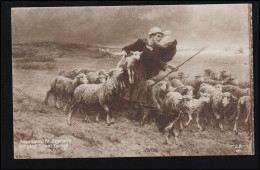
x=211, y=96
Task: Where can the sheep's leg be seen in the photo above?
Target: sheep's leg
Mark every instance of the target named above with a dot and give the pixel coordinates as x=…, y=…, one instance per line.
x=65, y=108
x=181, y=119
x=249, y=119
x=97, y=117
x=108, y=114
x=167, y=130
x=216, y=115
x=250, y=126
x=82, y=109
x=56, y=101
x=144, y=112
x=87, y=118
x=221, y=126
x=70, y=115
x=47, y=96
x=197, y=120
x=190, y=119
x=57, y=104
x=233, y=116
x=247, y=114
x=236, y=120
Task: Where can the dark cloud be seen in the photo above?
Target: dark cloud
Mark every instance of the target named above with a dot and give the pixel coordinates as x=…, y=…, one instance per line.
x=122, y=25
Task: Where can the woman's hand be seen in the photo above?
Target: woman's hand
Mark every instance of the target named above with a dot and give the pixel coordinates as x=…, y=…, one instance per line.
x=172, y=67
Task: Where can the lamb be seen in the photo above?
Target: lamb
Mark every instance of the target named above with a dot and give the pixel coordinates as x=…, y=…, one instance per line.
x=65, y=87
x=97, y=77
x=244, y=105
x=130, y=63
x=175, y=103
x=236, y=91
x=97, y=94
x=199, y=106
x=70, y=74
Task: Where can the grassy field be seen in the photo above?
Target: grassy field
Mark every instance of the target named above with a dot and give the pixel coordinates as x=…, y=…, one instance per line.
x=42, y=132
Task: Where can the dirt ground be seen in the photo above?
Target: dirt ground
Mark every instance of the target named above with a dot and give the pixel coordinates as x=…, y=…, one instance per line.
x=41, y=131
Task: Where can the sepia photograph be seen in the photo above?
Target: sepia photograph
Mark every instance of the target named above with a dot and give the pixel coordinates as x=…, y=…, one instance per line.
x=132, y=81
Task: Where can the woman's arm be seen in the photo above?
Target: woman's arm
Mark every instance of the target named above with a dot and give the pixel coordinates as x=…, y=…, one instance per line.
x=136, y=46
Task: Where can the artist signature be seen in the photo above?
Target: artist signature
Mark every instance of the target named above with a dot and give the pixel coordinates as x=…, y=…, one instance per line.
x=238, y=147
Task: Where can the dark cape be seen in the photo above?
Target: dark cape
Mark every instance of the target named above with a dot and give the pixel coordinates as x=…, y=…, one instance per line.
x=150, y=64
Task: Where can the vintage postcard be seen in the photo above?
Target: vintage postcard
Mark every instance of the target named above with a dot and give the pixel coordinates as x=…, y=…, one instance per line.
x=132, y=81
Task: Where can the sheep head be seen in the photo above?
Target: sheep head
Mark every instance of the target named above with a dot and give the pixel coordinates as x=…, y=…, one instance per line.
x=205, y=97
x=228, y=99
x=135, y=55
x=114, y=73
x=188, y=104
x=81, y=78
x=207, y=72
x=102, y=75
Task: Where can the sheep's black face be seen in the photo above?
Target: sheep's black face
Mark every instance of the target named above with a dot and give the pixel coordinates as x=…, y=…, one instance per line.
x=227, y=99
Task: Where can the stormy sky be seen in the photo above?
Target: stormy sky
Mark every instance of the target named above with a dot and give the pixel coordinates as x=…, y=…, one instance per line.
x=117, y=26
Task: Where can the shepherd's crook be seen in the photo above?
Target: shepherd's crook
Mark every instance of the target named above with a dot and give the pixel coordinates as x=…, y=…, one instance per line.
x=178, y=66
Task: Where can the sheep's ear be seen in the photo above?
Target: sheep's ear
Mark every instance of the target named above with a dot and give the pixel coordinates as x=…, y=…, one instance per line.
x=180, y=98
x=131, y=52
x=141, y=52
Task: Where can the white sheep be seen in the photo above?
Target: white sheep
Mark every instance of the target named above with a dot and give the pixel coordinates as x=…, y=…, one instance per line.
x=199, y=106
x=175, y=103
x=63, y=86
x=128, y=63
x=97, y=94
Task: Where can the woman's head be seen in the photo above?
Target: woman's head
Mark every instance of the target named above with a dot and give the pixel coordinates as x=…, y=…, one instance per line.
x=156, y=35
